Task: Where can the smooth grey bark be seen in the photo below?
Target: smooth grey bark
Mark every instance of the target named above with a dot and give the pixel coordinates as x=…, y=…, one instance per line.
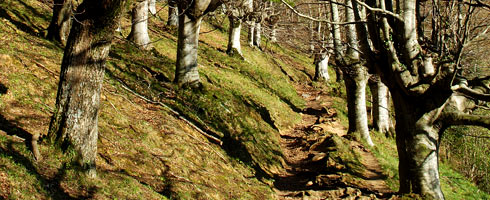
x=139, y=28
x=380, y=109
x=151, y=7
x=173, y=13
x=321, y=67
x=74, y=123
x=186, y=71
x=251, y=33
x=273, y=36
x=191, y=14
x=356, y=78
x=257, y=37
x=59, y=27
x=234, y=46
x=417, y=138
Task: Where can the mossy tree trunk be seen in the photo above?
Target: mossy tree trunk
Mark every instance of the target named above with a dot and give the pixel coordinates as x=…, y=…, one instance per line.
x=59, y=27
x=74, y=123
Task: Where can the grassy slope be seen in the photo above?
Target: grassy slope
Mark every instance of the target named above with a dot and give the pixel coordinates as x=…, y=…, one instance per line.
x=145, y=152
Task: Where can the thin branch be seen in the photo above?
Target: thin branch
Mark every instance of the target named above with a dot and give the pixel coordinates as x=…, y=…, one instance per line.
x=463, y=89
x=456, y=118
x=177, y=114
x=316, y=19
x=386, y=12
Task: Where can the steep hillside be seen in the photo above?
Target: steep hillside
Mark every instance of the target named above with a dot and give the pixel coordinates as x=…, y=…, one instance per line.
x=147, y=150
x=247, y=134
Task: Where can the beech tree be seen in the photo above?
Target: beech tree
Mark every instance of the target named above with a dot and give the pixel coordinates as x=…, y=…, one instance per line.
x=236, y=11
x=173, y=15
x=191, y=13
x=354, y=72
x=139, y=28
x=74, y=123
x=429, y=93
x=61, y=21
x=380, y=106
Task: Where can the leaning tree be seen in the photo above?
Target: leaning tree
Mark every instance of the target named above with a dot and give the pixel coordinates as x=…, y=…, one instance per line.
x=74, y=123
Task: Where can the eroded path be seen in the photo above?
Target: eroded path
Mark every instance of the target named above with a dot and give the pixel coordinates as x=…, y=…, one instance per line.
x=310, y=172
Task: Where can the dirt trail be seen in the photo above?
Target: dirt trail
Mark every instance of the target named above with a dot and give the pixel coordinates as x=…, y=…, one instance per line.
x=305, y=178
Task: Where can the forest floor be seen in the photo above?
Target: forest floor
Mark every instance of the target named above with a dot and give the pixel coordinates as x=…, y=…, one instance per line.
x=310, y=172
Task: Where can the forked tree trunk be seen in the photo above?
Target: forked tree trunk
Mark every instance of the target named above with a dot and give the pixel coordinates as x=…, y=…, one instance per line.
x=186, y=72
x=234, y=46
x=173, y=13
x=139, y=28
x=151, y=7
x=381, y=111
x=321, y=67
x=74, y=123
x=417, y=140
x=60, y=25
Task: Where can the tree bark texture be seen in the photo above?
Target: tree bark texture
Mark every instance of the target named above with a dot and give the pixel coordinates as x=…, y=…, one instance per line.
x=191, y=14
x=173, y=13
x=59, y=27
x=251, y=32
x=74, y=123
x=186, y=71
x=355, y=84
x=380, y=109
x=151, y=7
x=321, y=67
x=234, y=46
x=417, y=139
x=257, y=34
x=139, y=28
x=356, y=77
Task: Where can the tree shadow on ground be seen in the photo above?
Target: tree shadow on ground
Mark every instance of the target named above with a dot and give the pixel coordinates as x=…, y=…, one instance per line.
x=51, y=185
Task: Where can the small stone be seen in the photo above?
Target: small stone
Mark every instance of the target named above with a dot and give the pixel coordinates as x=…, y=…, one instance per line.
x=318, y=157
x=310, y=183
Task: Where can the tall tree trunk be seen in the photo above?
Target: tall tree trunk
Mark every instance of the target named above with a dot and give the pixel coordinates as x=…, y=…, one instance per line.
x=258, y=34
x=60, y=25
x=151, y=7
x=355, y=84
x=74, y=123
x=356, y=77
x=321, y=67
x=173, y=13
x=139, y=28
x=186, y=72
x=417, y=140
x=273, y=33
x=380, y=109
x=234, y=46
x=251, y=32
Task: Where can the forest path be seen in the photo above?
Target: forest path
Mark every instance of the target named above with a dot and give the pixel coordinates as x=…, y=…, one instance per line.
x=306, y=176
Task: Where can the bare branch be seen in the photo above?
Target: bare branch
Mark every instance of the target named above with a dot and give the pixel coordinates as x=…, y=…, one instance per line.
x=386, y=12
x=463, y=89
x=456, y=118
x=316, y=19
